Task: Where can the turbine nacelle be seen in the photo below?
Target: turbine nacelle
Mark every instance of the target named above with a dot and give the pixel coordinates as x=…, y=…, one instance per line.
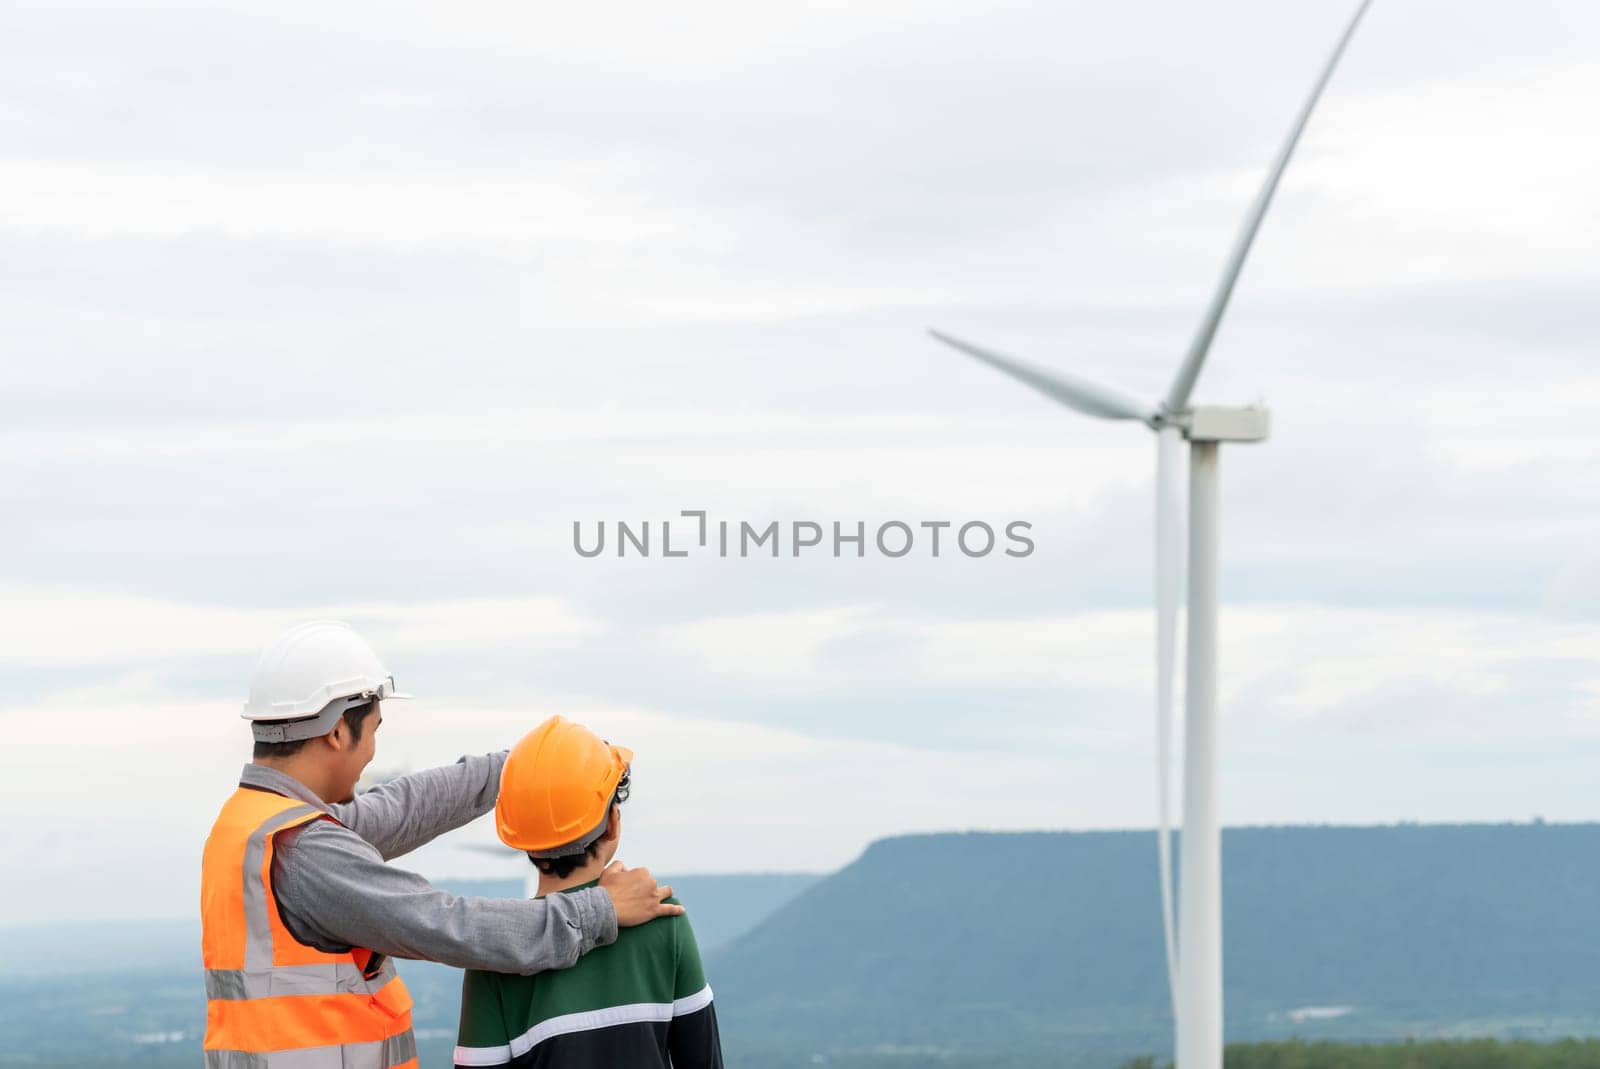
x=1216, y=423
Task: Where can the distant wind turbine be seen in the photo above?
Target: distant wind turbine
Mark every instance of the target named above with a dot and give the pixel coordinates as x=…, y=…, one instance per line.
x=530, y=875
x=1194, y=957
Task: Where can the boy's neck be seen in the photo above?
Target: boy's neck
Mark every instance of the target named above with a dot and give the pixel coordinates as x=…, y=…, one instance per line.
x=549, y=885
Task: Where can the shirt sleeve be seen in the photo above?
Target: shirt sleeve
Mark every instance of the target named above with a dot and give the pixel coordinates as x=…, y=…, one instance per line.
x=483, y=1037
x=334, y=892
x=692, y=1037
x=401, y=815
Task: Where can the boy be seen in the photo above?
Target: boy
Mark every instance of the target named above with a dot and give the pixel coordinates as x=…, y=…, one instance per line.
x=640, y=1003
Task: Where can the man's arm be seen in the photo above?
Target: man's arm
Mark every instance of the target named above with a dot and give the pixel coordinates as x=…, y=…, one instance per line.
x=692, y=1037
x=401, y=815
x=335, y=892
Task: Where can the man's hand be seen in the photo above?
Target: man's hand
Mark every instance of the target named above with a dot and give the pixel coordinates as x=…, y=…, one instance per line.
x=635, y=895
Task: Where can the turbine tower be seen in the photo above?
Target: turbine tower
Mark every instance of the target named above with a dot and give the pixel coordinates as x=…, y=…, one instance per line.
x=1194, y=955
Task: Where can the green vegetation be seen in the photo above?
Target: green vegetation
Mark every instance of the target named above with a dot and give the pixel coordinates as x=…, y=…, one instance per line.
x=1466, y=1054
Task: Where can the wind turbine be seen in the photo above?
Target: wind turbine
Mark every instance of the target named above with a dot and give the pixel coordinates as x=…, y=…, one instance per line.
x=1194, y=957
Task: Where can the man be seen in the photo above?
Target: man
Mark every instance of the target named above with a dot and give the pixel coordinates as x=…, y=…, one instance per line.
x=300, y=915
x=641, y=1003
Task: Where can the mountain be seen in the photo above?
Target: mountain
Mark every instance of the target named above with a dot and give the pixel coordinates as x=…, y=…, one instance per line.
x=100, y=947
x=1027, y=943
x=725, y=907
x=75, y=995
x=722, y=907
x=1003, y=949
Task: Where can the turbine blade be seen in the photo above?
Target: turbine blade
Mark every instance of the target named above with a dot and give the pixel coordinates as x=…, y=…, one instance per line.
x=1081, y=394
x=1169, y=585
x=1189, y=370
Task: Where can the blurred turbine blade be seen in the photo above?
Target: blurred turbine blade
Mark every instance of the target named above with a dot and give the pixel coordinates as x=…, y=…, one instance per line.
x=1169, y=585
x=1189, y=370
x=1085, y=396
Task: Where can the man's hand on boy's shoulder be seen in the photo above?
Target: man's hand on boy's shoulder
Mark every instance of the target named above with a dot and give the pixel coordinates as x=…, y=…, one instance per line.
x=635, y=895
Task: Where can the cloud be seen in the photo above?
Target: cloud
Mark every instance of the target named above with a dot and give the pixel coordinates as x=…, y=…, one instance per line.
x=1280, y=664
x=353, y=312
x=98, y=200
x=1327, y=715
x=772, y=646
x=792, y=802
x=66, y=628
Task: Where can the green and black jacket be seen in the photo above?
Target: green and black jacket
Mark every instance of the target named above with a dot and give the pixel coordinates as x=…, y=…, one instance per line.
x=640, y=1003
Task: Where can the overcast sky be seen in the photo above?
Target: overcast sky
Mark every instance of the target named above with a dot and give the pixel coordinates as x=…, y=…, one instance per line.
x=352, y=311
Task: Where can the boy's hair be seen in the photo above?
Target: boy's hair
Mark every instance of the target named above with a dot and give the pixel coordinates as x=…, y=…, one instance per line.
x=355, y=717
x=565, y=865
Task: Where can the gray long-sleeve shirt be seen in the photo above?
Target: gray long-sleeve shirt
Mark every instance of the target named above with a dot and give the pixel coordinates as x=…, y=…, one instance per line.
x=335, y=891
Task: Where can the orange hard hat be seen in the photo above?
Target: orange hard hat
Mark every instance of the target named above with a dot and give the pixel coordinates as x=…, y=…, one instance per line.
x=556, y=789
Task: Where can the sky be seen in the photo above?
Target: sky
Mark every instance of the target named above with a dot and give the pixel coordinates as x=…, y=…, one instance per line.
x=354, y=312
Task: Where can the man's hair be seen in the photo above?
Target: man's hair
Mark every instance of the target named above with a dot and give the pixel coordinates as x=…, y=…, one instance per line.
x=355, y=717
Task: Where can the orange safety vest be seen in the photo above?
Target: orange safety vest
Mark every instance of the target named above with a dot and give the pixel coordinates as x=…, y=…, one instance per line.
x=271, y=1001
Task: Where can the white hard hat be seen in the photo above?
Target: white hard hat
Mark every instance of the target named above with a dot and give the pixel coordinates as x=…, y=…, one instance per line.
x=309, y=676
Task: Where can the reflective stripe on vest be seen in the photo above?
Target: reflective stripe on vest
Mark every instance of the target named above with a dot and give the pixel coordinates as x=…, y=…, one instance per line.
x=273, y=1002
x=397, y=1052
